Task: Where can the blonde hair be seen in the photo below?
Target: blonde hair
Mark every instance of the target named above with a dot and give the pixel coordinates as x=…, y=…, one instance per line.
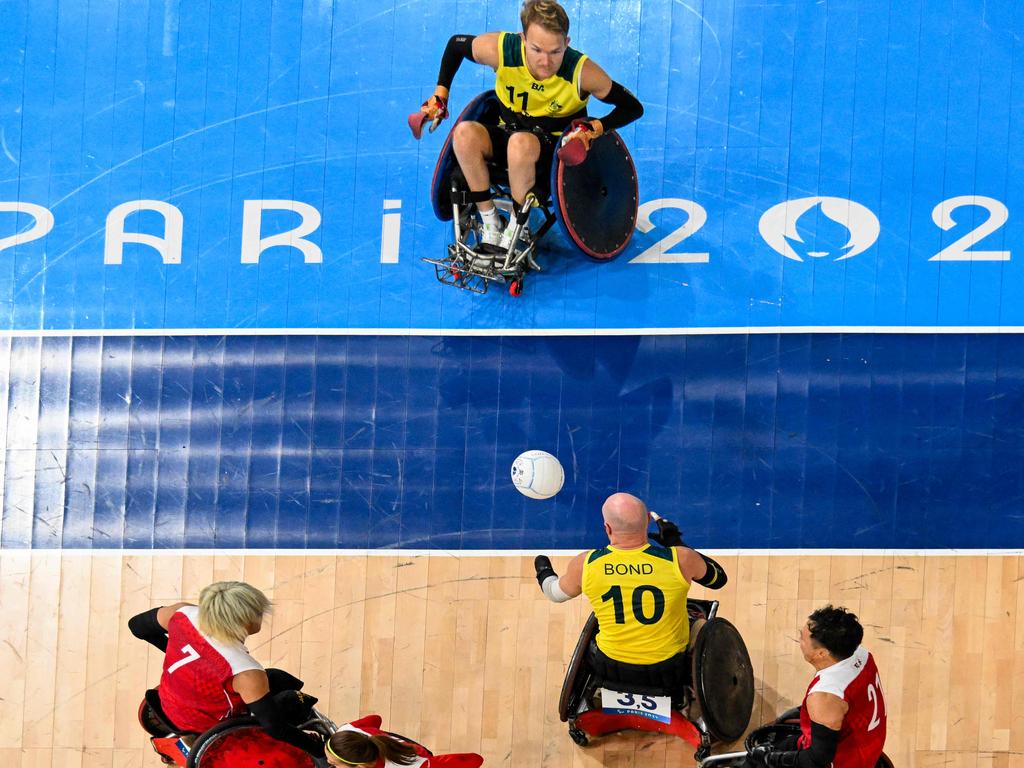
x=228, y=610
x=546, y=14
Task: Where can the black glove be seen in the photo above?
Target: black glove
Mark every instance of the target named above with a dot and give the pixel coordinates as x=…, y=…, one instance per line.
x=668, y=534
x=542, y=565
x=759, y=755
x=295, y=707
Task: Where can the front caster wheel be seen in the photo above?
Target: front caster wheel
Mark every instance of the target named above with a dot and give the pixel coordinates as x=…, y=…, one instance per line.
x=579, y=736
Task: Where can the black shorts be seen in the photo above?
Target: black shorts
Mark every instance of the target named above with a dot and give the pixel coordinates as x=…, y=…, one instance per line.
x=670, y=675
x=500, y=135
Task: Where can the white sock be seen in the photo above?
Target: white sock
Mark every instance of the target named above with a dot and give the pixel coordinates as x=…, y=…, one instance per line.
x=491, y=217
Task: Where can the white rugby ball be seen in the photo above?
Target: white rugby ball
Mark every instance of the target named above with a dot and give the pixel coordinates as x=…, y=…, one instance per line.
x=537, y=474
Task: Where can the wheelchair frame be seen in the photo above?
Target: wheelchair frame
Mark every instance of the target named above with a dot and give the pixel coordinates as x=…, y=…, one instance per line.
x=510, y=268
x=586, y=721
x=319, y=723
x=458, y=269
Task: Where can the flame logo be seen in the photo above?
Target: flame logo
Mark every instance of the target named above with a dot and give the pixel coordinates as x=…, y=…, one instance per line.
x=778, y=225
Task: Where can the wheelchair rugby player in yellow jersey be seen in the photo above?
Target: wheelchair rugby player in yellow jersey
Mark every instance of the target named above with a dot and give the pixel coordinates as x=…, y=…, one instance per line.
x=650, y=658
x=529, y=144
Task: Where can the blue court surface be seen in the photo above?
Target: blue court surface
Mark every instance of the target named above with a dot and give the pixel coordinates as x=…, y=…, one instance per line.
x=829, y=192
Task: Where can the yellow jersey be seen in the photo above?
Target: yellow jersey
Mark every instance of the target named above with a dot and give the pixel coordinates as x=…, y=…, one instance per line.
x=527, y=103
x=639, y=598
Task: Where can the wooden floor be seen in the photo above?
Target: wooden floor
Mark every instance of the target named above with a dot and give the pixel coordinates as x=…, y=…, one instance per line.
x=467, y=655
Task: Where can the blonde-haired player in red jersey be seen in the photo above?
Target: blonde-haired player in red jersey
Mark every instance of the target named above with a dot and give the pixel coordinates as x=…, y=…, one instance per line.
x=208, y=673
x=843, y=716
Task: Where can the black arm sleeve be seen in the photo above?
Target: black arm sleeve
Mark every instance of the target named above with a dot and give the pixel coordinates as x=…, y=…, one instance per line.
x=627, y=108
x=459, y=47
x=145, y=627
x=820, y=754
x=715, y=577
x=266, y=711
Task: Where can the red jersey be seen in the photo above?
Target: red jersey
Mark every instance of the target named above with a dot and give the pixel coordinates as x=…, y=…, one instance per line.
x=370, y=725
x=856, y=681
x=195, y=687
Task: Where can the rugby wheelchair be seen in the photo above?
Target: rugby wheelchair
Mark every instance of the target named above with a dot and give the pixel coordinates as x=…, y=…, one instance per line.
x=594, y=203
x=714, y=706
x=237, y=742
x=781, y=733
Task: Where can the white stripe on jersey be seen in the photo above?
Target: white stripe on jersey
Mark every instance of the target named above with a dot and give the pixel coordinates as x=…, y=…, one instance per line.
x=837, y=678
x=235, y=654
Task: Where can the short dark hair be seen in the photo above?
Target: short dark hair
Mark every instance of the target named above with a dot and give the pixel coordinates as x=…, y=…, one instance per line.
x=836, y=630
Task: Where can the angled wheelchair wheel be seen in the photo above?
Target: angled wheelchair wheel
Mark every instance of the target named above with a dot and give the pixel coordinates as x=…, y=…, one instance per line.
x=240, y=742
x=574, y=683
x=484, y=109
x=724, y=680
x=596, y=201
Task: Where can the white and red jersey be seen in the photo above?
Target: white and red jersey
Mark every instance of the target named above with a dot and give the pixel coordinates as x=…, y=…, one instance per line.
x=856, y=681
x=370, y=725
x=195, y=687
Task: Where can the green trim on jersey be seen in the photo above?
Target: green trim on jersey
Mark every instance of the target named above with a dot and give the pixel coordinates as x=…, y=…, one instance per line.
x=511, y=50
x=659, y=551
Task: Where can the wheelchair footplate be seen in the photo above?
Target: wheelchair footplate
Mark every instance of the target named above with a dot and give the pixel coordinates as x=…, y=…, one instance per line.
x=463, y=266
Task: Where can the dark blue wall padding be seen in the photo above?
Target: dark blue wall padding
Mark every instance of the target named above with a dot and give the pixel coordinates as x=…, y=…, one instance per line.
x=824, y=440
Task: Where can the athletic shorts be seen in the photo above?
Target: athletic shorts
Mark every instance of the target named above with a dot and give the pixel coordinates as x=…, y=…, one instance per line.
x=499, y=141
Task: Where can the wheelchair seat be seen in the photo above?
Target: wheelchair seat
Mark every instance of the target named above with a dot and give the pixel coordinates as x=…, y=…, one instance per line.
x=152, y=716
x=595, y=204
x=715, y=706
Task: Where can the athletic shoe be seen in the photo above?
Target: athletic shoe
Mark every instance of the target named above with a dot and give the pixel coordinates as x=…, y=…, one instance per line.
x=506, y=237
x=491, y=235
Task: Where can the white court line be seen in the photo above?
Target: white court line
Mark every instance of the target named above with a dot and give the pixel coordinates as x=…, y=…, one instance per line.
x=457, y=553
x=738, y=330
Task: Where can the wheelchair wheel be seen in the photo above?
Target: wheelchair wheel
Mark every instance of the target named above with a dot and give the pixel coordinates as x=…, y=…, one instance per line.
x=240, y=742
x=579, y=736
x=596, y=202
x=571, y=692
x=724, y=680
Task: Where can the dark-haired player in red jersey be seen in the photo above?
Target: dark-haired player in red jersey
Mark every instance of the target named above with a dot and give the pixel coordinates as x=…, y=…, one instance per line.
x=842, y=718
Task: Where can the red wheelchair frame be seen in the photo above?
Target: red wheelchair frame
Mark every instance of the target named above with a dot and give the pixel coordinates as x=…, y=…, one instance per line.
x=236, y=742
x=709, y=723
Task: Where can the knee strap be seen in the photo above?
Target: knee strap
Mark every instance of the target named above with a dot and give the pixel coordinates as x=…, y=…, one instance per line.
x=466, y=197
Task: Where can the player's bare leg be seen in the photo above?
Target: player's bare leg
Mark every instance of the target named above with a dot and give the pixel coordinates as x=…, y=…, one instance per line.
x=523, y=154
x=473, y=148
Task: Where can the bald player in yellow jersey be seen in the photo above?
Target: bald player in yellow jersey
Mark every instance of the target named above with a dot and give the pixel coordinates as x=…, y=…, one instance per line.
x=638, y=592
x=542, y=85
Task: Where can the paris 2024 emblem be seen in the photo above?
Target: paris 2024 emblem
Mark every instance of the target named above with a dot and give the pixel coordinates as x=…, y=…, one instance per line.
x=778, y=227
